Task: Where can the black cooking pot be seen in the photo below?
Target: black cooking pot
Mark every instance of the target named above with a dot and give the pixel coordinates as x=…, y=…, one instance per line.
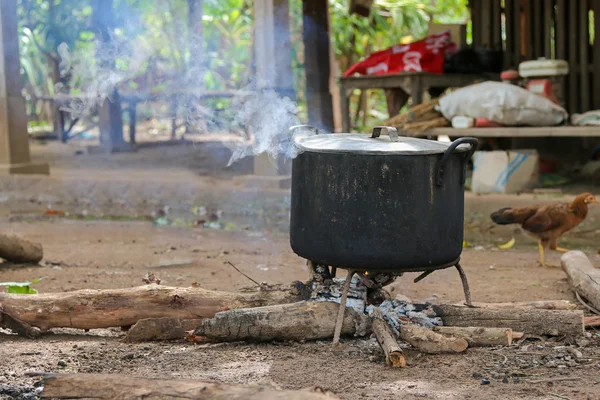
x=378, y=203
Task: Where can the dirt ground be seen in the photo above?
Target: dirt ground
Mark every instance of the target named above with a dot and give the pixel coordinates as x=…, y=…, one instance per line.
x=98, y=252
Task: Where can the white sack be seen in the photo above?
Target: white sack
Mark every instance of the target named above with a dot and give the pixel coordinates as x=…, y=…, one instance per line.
x=503, y=103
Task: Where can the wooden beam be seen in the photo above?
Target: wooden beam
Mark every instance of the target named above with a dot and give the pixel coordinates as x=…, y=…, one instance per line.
x=315, y=35
x=109, y=113
x=517, y=132
x=584, y=47
x=476, y=22
x=516, y=31
x=537, y=38
x=14, y=139
x=596, y=53
x=496, y=25
x=486, y=27
x=561, y=30
x=573, y=103
x=548, y=23
x=509, y=50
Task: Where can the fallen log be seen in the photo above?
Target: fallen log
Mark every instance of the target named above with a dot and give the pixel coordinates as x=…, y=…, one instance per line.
x=394, y=355
x=478, y=336
x=19, y=250
x=108, y=387
x=431, y=342
x=583, y=277
x=305, y=320
x=160, y=329
x=92, y=309
x=568, y=323
x=530, y=305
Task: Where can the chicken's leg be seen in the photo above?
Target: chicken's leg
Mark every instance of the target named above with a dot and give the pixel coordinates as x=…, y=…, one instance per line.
x=541, y=248
x=562, y=250
x=541, y=262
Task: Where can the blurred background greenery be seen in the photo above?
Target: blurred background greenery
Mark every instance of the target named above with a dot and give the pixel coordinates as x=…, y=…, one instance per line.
x=56, y=34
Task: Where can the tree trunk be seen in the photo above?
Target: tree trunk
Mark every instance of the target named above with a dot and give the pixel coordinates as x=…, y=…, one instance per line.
x=122, y=387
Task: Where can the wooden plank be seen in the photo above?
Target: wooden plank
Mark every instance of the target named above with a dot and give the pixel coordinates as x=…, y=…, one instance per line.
x=315, y=34
x=596, y=53
x=132, y=110
x=573, y=103
x=109, y=113
x=496, y=25
x=516, y=31
x=485, y=16
x=561, y=30
x=537, y=37
x=402, y=80
x=14, y=139
x=548, y=23
x=475, y=7
x=526, y=29
x=517, y=132
x=509, y=49
x=584, y=75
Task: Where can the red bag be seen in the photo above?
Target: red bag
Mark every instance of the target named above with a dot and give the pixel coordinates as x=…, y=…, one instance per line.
x=423, y=55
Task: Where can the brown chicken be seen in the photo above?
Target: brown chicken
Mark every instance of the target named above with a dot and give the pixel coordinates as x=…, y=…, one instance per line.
x=547, y=223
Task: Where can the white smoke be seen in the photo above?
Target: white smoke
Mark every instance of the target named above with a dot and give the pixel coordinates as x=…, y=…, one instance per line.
x=268, y=117
x=265, y=114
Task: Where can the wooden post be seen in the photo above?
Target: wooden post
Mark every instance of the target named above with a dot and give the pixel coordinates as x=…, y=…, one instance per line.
x=273, y=65
x=109, y=112
x=195, y=13
x=596, y=55
x=319, y=102
x=14, y=140
x=132, y=109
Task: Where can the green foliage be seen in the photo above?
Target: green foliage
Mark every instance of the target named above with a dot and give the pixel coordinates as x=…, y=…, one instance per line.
x=156, y=49
x=21, y=287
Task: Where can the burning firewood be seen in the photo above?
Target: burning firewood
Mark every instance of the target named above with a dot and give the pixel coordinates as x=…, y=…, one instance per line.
x=19, y=250
x=123, y=387
x=394, y=355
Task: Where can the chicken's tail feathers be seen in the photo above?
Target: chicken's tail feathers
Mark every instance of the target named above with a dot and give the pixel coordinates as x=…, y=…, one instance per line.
x=504, y=216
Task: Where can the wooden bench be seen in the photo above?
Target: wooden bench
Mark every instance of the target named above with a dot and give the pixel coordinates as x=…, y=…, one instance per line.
x=514, y=132
x=413, y=84
x=62, y=106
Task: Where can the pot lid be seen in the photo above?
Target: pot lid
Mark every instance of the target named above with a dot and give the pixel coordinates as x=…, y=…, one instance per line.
x=357, y=143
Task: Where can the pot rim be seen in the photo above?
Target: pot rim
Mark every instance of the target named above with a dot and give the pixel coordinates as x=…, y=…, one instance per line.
x=363, y=144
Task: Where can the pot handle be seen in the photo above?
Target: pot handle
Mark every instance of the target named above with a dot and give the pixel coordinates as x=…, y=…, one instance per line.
x=442, y=163
x=295, y=128
x=390, y=130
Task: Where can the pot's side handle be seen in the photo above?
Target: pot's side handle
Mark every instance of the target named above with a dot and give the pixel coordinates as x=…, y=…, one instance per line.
x=390, y=130
x=442, y=163
x=295, y=128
